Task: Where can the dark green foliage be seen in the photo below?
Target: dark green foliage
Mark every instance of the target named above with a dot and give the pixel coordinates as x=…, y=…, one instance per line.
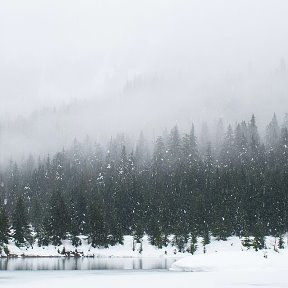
x=6, y=250
x=155, y=235
x=231, y=184
x=22, y=231
x=281, y=242
x=141, y=248
x=247, y=242
x=97, y=231
x=4, y=227
x=193, y=244
x=76, y=241
x=58, y=221
x=259, y=243
x=180, y=241
x=138, y=232
x=206, y=238
x=43, y=234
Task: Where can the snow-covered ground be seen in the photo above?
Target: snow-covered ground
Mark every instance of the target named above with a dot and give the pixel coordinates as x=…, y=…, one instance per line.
x=75, y=279
x=125, y=250
x=233, y=244
x=232, y=261
x=225, y=264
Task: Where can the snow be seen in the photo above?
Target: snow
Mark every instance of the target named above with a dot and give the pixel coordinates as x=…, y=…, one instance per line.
x=231, y=261
x=74, y=279
x=233, y=244
x=125, y=250
x=225, y=264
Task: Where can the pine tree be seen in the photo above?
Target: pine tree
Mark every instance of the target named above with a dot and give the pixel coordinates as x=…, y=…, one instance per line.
x=253, y=139
x=22, y=231
x=207, y=200
x=281, y=242
x=58, y=219
x=219, y=137
x=13, y=186
x=241, y=146
x=157, y=207
x=193, y=244
x=239, y=190
x=4, y=227
x=204, y=139
x=285, y=121
x=141, y=152
x=272, y=133
x=97, y=232
x=259, y=238
x=189, y=148
x=44, y=232
x=228, y=148
x=174, y=147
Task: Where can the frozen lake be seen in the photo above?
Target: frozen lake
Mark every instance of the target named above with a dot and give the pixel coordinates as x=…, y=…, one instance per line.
x=271, y=278
x=34, y=263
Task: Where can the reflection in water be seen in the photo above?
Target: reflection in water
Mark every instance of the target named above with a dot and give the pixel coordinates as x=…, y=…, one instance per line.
x=86, y=263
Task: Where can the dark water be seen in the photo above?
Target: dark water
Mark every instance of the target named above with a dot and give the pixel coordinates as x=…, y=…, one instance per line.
x=86, y=263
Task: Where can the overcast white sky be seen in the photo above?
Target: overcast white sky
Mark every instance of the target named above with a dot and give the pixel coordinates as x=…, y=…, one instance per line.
x=55, y=51
x=142, y=64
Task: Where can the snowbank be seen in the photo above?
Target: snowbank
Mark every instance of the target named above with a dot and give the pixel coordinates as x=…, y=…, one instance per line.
x=91, y=279
x=232, y=261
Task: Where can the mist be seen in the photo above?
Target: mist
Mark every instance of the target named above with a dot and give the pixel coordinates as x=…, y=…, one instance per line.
x=69, y=69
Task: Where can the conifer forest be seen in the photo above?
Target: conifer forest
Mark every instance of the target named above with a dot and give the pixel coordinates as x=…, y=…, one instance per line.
x=179, y=184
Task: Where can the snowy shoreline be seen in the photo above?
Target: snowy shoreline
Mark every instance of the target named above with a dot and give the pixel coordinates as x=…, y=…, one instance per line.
x=130, y=249
x=228, y=264
x=67, y=250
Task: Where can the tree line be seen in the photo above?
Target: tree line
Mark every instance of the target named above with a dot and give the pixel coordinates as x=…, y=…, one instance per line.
x=234, y=185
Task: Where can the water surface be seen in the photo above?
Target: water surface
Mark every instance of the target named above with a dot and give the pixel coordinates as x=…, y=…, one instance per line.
x=38, y=263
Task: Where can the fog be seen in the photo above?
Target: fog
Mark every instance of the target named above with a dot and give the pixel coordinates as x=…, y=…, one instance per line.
x=75, y=68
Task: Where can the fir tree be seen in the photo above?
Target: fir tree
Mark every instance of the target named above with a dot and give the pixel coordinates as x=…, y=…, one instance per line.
x=22, y=231
x=272, y=133
x=4, y=227
x=58, y=218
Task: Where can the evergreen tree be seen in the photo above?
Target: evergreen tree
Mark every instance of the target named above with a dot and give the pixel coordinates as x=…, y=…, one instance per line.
x=22, y=231
x=228, y=148
x=237, y=188
x=141, y=152
x=204, y=139
x=157, y=207
x=58, y=218
x=44, y=232
x=281, y=242
x=4, y=227
x=97, y=232
x=272, y=133
x=193, y=245
x=219, y=137
x=285, y=121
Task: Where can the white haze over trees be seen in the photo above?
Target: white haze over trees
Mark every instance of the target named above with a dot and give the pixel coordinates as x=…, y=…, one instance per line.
x=75, y=68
